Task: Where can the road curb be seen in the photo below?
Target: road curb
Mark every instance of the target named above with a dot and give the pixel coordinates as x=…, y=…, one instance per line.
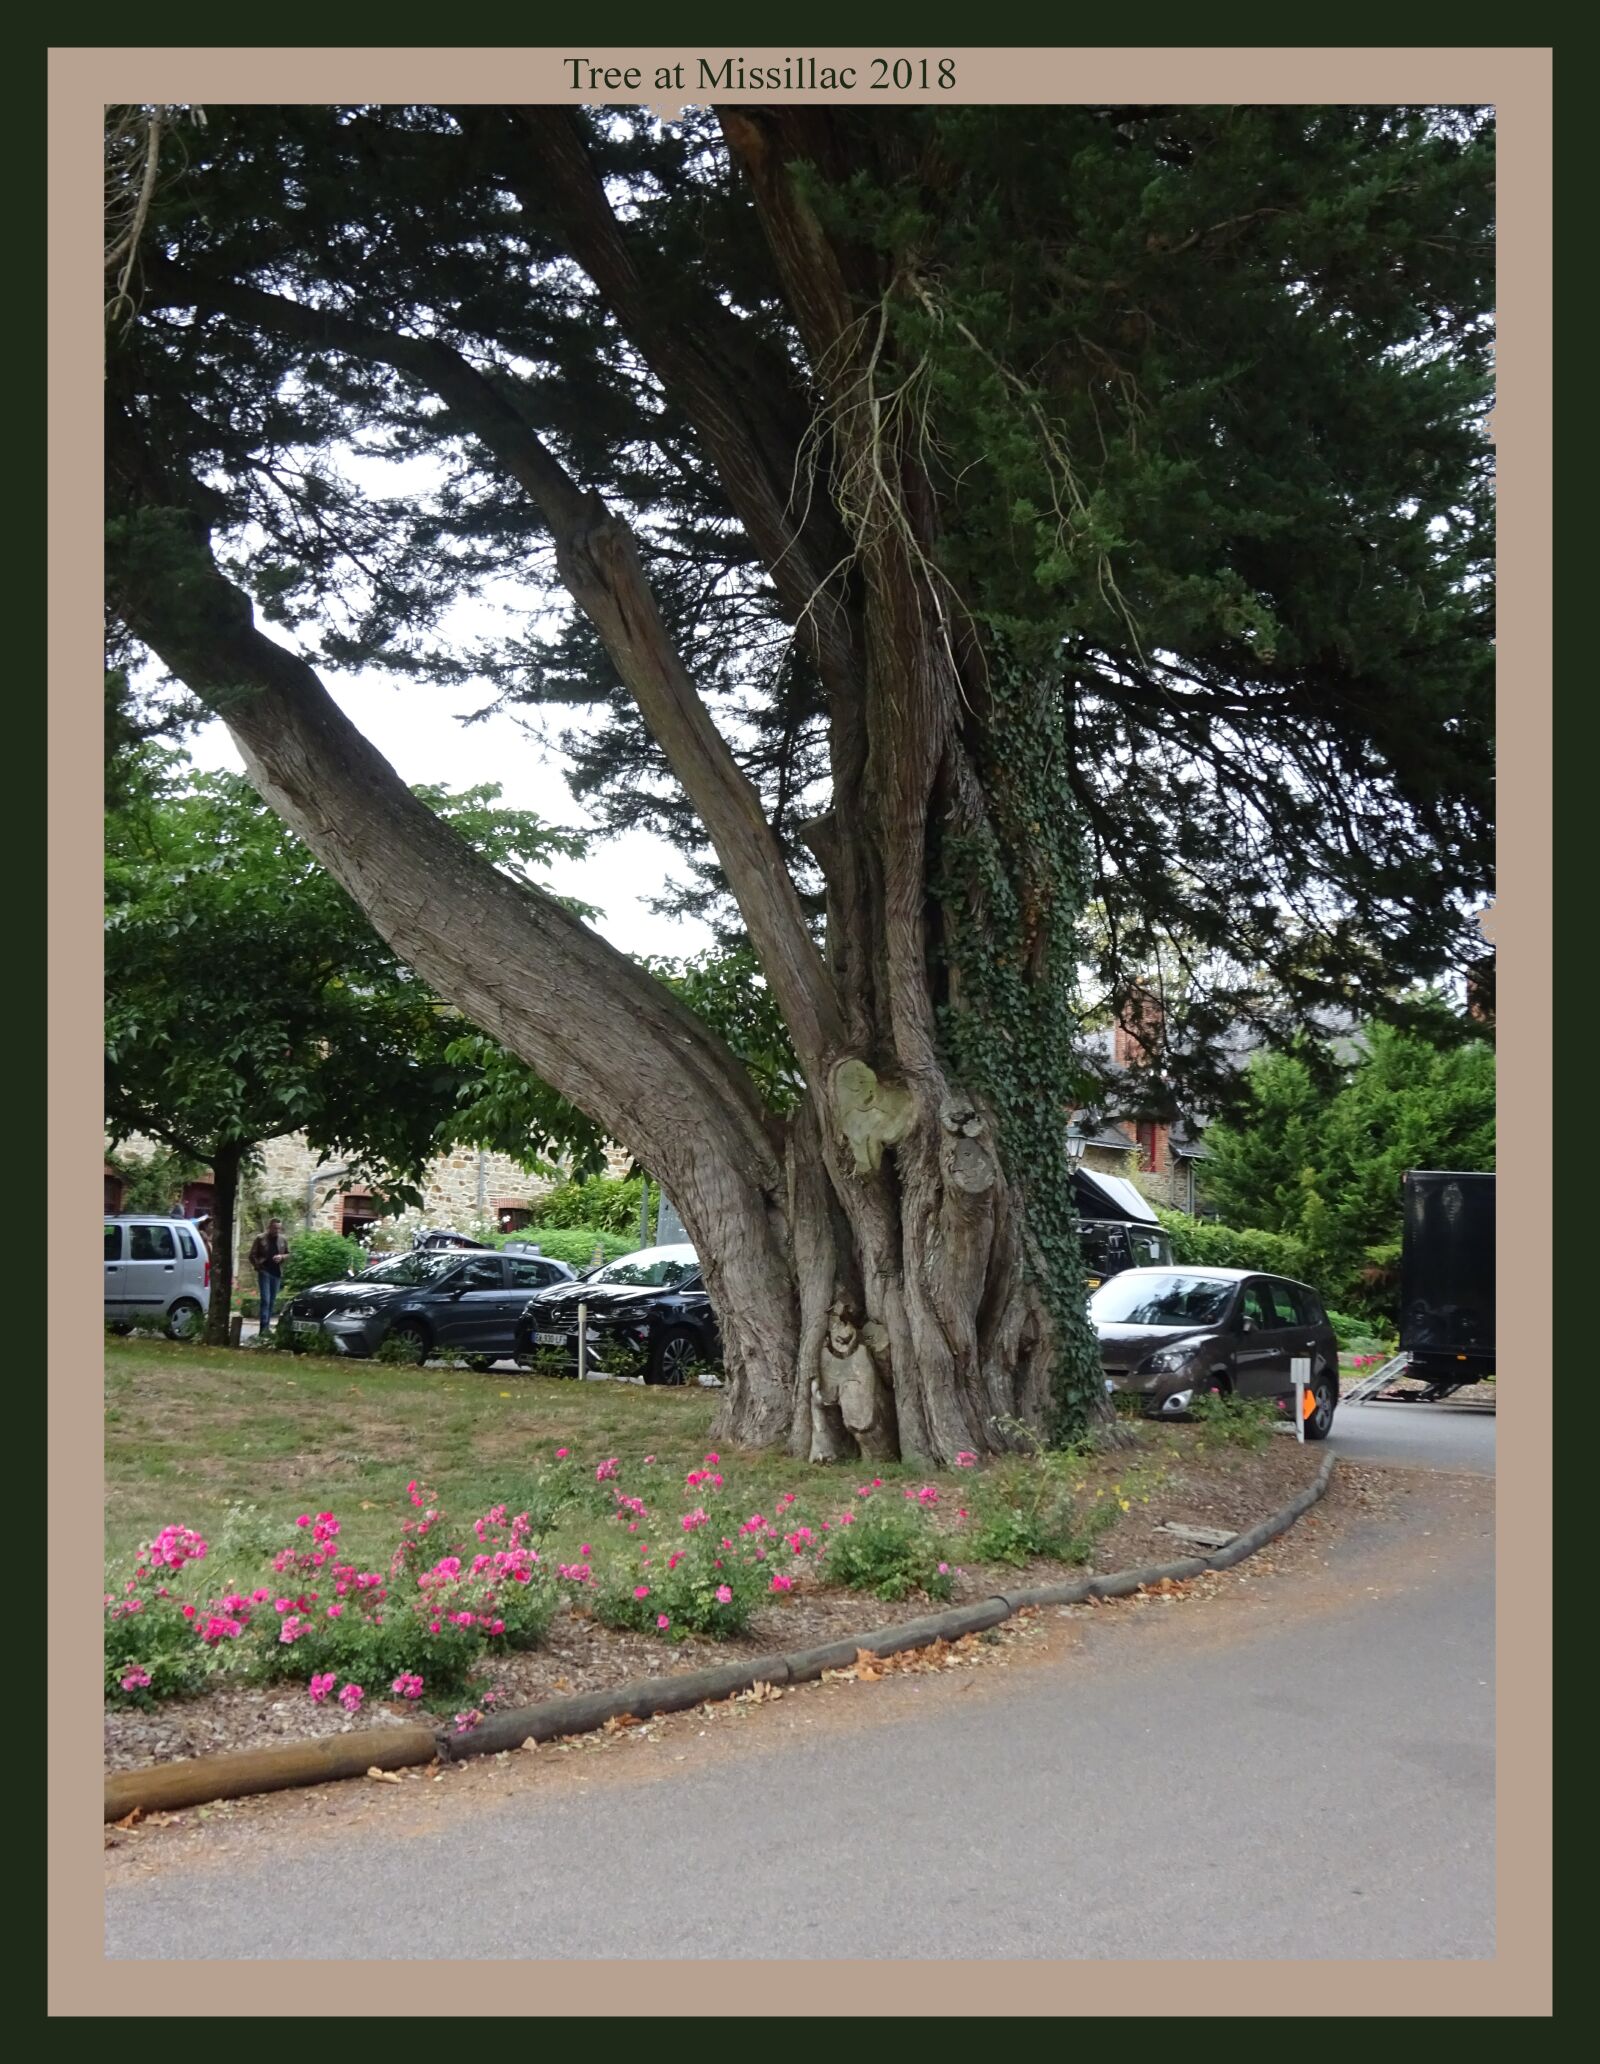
x=197, y=1780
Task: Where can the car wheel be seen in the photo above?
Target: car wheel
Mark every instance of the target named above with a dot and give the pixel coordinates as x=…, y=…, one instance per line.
x=672, y=1355
x=416, y=1336
x=1325, y=1394
x=184, y=1319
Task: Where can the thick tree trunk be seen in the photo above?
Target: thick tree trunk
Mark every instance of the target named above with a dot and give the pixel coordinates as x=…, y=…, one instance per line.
x=226, y=1160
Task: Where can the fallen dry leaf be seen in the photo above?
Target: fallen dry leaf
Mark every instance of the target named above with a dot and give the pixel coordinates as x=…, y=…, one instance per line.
x=385, y=1776
x=132, y=1819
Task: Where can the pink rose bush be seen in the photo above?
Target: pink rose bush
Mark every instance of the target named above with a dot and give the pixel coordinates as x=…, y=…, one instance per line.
x=421, y=1621
x=428, y=1620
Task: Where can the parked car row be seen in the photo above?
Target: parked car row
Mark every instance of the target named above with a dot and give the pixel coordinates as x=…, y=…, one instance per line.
x=651, y=1308
x=1166, y=1333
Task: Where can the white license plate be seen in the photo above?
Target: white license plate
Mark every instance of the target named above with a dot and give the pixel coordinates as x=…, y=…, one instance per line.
x=550, y=1339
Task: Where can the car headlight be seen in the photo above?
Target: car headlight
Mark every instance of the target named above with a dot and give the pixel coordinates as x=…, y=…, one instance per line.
x=1165, y=1360
x=350, y=1311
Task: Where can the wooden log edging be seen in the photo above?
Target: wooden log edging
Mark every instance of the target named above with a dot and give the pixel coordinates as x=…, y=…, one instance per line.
x=198, y=1780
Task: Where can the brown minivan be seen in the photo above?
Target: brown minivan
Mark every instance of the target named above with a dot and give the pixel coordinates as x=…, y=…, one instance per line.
x=1166, y=1333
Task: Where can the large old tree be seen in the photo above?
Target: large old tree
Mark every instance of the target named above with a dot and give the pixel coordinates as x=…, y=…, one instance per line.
x=941, y=523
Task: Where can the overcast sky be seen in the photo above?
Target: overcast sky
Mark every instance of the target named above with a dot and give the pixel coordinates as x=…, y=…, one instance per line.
x=418, y=731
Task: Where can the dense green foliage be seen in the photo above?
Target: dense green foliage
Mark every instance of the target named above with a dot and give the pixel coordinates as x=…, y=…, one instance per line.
x=1322, y=1164
x=1010, y=889
x=247, y=996
x=318, y=1257
x=601, y=1201
x=1207, y=389
x=575, y=1245
x=1209, y=1244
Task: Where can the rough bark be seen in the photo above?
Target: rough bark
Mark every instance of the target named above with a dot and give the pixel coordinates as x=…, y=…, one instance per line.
x=226, y=1159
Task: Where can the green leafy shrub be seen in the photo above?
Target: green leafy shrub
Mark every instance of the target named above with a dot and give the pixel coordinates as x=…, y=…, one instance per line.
x=604, y=1201
x=320, y=1258
x=418, y=1626
x=698, y=1589
x=399, y=1351
x=1227, y=1420
x=284, y=1337
x=574, y=1245
x=1363, y=1335
x=890, y=1550
x=151, y=1652
x=1027, y=1511
x=1209, y=1245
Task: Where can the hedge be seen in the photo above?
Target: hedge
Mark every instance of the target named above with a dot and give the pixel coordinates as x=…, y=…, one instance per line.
x=1209, y=1245
x=574, y=1245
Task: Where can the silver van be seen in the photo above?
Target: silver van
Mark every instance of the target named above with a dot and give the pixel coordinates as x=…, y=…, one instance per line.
x=157, y=1268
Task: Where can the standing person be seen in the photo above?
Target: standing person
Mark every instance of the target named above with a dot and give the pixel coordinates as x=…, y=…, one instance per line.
x=203, y=1227
x=266, y=1258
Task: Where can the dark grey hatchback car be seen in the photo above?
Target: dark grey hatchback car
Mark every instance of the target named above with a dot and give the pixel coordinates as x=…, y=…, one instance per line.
x=438, y=1299
x=1166, y=1333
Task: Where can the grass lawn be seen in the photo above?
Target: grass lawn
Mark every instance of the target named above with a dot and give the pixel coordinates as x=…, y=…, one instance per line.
x=191, y=1431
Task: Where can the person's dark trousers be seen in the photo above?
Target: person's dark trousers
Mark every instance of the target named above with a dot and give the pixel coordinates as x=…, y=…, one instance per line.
x=269, y=1282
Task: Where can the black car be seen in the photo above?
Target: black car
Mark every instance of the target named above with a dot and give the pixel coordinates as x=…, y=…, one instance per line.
x=1111, y=1245
x=440, y=1299
x=650, y=1310
x=1166, y=1333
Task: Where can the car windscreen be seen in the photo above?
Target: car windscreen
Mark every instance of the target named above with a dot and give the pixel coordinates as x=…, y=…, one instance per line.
x=410, y=1269
x=1166, y=1300
x=661, y=1273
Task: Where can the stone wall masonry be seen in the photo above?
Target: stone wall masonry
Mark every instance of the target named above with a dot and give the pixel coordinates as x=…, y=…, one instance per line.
x=457, y=1191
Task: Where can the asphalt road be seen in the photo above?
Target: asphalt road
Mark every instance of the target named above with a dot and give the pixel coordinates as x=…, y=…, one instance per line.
x=1303, y=1768
x=1447, y=1436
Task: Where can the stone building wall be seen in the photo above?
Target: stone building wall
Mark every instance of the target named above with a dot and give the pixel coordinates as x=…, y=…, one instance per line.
x=461, y=1189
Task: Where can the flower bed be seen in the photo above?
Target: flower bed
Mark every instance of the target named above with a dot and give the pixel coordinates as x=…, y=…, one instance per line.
x=612, y=1573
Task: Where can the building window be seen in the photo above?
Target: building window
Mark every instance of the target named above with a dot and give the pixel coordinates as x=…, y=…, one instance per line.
x=357, y=1211
x=197, y=1200
x=511, y=1218
x=1148, y=1134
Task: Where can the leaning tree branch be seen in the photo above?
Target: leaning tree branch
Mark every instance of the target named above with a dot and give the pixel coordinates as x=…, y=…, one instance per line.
x=608, y=1036
x=598, y=561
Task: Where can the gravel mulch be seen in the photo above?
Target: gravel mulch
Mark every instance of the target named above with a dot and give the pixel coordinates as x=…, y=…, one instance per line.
x=1167, y=1476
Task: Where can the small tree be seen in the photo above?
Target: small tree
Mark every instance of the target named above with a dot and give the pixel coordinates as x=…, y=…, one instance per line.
x=247, y=996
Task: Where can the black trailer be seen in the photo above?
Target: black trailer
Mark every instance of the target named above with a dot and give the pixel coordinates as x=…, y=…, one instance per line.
x=1446, y=1286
